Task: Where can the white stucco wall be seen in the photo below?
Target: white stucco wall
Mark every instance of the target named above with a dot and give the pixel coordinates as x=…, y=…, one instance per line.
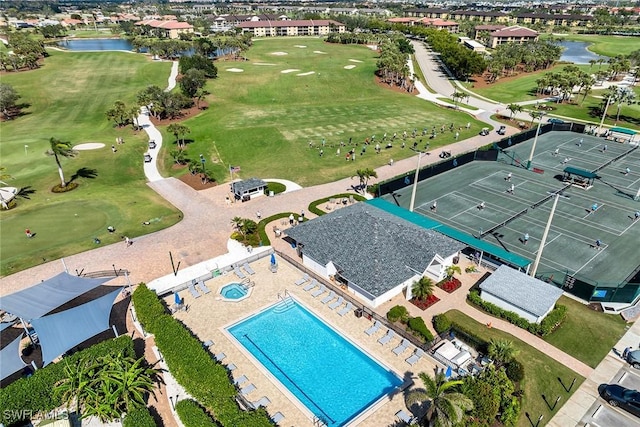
x=507, y=306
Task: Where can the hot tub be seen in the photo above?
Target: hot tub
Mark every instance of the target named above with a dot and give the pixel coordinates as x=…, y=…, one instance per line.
x=234, y=292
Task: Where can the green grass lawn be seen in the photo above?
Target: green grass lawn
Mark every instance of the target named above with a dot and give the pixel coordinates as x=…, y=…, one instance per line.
x=586, y=334
x=67, y=99
x=262, y=119
x=521, y=88
x=606, y=45
x=541, y=372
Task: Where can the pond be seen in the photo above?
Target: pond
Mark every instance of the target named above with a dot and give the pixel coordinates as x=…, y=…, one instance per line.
x=96, y=44
x=577, y=52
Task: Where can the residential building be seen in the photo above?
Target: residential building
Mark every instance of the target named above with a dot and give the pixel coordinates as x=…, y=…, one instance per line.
x=310, y=27
x=513, y=34
x=167, y=29
x=437, y=23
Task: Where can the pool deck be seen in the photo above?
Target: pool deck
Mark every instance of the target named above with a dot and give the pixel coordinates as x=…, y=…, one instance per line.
x=208, y=315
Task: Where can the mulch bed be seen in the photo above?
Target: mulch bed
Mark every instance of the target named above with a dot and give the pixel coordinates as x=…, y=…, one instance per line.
x=184, y=115
x=195, y=181
x=423, y=304
x=450, y=285
x=394, y=88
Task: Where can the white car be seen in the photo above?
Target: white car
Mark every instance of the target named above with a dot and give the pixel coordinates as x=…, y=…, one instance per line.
x=147, y=158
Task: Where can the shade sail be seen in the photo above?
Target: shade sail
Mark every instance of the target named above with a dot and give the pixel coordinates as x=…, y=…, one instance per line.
x=42, y=298
x=62, y=331
x=10, y=361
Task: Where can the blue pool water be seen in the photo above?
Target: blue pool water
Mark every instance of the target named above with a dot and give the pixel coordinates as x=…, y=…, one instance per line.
x=233, y=291
x=332, y=377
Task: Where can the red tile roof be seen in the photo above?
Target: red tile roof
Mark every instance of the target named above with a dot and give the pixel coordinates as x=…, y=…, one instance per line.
x=169, y=25
x=292, y=23
x=515, y=31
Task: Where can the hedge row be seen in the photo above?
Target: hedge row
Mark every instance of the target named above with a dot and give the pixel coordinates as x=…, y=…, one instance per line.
x=414, y=324
x=264, y=238
x=313, y=206
x=35, y=393
x=193, y=415
x=544, y=328
x=192, y=365
x=140, y=417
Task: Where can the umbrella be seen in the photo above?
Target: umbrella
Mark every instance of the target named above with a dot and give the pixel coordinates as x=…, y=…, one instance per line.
x=273, y=259
x=448, y=373
x=7, y=194
x=177, y=299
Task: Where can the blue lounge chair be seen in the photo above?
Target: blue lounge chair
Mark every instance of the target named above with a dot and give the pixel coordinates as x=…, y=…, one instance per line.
x=311, y=285
x=232, y=367
x=328, y=298
x=347, y=308
x=401, y=347
x=303, y=279
x=374, y=328
x=194, y=291
x=277, y=417
x=413, y=359
x=260, y=403
x=238, y=272
x=247, y=389
x=322, y=289
x=405, y=417
x=388, y=337
x=240, y=380
x=337, y=303
x=248, y=269
x=220, y=357
x=202, y=287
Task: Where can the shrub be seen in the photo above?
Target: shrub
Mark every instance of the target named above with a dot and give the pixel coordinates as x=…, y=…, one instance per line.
x=553, y=320
x=441, y=323
x=313, y=206
x=417, y=325
x=34, y=394
x=193, y=415
x=515, y=371
x=399, y=312
x=140, y=417
x=276, y=187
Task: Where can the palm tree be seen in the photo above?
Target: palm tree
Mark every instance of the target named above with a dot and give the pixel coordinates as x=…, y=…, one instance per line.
x=502, y=351
x=237, y=222
x=365, y=175
x=625, y=96
x=457, y=96
x=423, y=288
x=177, y=130
x=447, y=405
x=61, y=149
x=451, y=270
x=513, y=109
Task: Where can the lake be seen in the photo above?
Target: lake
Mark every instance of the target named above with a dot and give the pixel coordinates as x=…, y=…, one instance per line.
x=577, y=52
x=96, y=44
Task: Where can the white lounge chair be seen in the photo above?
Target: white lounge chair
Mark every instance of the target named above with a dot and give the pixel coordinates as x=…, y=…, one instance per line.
x=238, y=272
x=404, y=344
x=277, y=417
x=322, y=289
x=260, y=403
x=220, y=357
x=208, y=343
x=405, y=417
x=248, y=269
x=337, y=303
x=303, y=279
x=310, y=285
x=247, y=389
x=388, y=337
x=328, y=298
x=413, y=359
x=241, y=380
x=232, y=367
x=374, y=328
x=347, y=308
x=194, y=292
x=203, y=288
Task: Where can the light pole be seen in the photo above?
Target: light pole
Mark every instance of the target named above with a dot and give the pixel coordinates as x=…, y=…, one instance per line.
x=415, y=183
x=535, y=139
x=557, y=194
x=604, y=114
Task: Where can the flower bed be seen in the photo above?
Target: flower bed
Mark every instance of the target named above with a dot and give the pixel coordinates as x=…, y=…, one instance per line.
x=423, y=304
x=450, y=285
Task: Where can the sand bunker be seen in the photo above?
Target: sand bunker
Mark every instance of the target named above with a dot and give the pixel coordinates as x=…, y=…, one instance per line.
x=88, y=146
x=300, y=46
x=235, y=70
x=279, y=53
x=320, y=52
x=349, y=67
x=306, y=74
x=290, y=70
x=354, y=60
x=262, y=63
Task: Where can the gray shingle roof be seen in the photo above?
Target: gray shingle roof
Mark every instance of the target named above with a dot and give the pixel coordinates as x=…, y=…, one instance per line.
x=373, y=249
x=522, y=291
x=247, y=185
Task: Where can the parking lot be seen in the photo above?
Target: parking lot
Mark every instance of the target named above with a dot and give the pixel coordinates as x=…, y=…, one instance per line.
x=602, y=414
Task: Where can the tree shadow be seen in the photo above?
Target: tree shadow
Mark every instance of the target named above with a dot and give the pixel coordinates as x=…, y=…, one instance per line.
x=595, y=111
x=26, y=192
x=84, y=173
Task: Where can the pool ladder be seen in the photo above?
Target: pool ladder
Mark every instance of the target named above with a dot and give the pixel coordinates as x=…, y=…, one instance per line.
x=285, y=303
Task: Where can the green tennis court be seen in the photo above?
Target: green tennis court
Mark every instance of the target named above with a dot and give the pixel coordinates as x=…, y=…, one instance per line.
x=571, y=243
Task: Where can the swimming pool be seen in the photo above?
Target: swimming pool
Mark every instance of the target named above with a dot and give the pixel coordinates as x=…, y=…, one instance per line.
x=329, y=375
x=234, y=292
